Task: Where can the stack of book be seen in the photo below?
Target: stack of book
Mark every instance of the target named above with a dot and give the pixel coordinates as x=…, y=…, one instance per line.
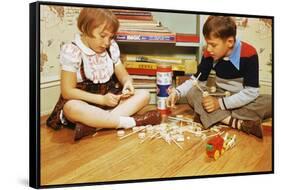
x=123, y=14
x=147, y=83
x=139, y=26
x=147, y=64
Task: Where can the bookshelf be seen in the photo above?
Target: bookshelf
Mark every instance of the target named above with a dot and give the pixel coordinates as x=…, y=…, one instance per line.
x=175, y=23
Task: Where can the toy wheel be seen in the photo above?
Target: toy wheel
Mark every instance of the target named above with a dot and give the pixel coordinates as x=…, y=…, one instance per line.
x=222, y=151
x=216, y=155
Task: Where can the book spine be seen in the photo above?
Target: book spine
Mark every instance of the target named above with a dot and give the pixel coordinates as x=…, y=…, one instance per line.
x=132, y=13
x=157, y=59
x=143, y=77
x=140, y=65
x=181, y=79
x=133, y=17
x=187, y=38
x=134, y=71
x=146, y=38
x=153, y=66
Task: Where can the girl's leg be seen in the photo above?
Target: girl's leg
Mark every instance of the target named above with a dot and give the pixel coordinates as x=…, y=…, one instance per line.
x=133, y=104
x=79, y=111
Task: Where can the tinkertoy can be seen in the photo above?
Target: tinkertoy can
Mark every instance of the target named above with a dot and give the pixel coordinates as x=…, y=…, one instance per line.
x=164, y=82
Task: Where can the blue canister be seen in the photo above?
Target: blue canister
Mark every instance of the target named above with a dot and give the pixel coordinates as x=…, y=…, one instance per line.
x=164, y=75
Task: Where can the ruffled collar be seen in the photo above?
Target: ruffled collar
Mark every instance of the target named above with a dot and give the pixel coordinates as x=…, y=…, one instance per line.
x=84, y=48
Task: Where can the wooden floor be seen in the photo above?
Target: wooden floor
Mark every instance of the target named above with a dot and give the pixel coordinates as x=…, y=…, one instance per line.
x=104, y=157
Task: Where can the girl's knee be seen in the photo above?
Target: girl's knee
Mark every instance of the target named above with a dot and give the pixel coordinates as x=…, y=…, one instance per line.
x=72, y=108
x=144, y=94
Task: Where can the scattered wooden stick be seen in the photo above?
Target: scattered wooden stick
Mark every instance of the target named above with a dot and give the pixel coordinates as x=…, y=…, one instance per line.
x=197, y=85
x=198, y=76
x=177, y=143
x=144, y=139
x=180, y=119
x=141, y=128
x=219, y=133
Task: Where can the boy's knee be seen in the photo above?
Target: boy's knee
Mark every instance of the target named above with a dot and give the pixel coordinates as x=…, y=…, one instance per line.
x=193, y=93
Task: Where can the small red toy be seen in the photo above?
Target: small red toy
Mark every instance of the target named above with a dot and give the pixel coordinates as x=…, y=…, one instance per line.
x=215, y=147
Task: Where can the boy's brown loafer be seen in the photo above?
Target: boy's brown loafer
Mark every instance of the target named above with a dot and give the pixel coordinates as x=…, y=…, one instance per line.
x=252, y=127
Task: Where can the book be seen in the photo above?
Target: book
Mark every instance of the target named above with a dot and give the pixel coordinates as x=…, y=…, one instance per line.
x=181, y=79
x=146, y=36
x=188, y=66
x=187, y=38
x=144, y=29
x=134, y=17
x=139, y=23
x=144, y=83
x=143, y=77
x=130, y=12
x=140, y=65
x=135, y=71
x=156, y=59
x=152, y=66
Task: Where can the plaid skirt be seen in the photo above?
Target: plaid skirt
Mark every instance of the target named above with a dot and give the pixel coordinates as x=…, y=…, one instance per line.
x=56, y=120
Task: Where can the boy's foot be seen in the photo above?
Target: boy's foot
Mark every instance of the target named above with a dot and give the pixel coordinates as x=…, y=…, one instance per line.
x=247, y=126
x=149, y=118
x=252, y=127
x=82, y=131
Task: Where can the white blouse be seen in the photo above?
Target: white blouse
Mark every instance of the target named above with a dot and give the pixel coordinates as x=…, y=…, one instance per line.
x=97, y=67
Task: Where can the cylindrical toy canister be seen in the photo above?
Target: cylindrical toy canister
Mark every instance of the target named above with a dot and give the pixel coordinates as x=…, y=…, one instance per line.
x=164, y=81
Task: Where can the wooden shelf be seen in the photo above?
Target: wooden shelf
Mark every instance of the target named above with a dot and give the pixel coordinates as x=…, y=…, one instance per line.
x=187, y=44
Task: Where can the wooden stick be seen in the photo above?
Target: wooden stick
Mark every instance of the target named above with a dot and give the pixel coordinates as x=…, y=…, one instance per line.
x=144, y=139
x=219, y=133
x=151, y=137
x=180, y=119
x=132, y=133
x=177, y=143
x=199, y=88
x=198, y=76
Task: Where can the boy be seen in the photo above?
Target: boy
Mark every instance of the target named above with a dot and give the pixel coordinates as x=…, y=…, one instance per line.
x=237, y=69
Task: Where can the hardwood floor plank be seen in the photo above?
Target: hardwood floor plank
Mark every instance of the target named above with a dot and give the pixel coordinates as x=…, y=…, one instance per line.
x=105, y=157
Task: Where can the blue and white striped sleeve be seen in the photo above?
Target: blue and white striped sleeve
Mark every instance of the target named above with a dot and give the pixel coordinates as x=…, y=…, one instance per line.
x=245, y=96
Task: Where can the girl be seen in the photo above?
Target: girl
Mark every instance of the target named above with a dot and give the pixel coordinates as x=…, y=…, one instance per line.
x=90, y=96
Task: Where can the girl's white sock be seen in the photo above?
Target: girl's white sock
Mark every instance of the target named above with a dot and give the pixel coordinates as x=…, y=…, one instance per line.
x=126, y=122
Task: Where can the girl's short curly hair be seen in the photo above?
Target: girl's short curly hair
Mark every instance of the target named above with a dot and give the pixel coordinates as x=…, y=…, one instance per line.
x=91, y=18
x=219, y=27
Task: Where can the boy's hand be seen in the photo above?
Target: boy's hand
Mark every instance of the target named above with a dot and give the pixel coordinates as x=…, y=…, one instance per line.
x=111, y=100
x=210, y=103
x=172, y=98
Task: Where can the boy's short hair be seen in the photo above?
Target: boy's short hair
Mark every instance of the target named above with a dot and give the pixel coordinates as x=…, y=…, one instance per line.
x=91, y=18
x=219, y=27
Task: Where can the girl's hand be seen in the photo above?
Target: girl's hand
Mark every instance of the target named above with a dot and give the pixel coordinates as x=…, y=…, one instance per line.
x=128, y=89
x=172, y=98
x=210, y=103
x=111, y=100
